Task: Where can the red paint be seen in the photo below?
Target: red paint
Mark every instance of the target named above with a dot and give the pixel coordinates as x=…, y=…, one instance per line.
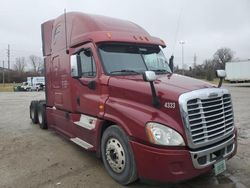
x=126, y=100
x=170, y=165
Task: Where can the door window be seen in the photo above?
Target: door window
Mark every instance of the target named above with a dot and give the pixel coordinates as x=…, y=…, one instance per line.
x=87, y=63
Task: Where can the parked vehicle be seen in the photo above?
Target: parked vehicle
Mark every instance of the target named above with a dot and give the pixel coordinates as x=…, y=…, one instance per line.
x=25, y=86
x=33, y=84
x=36, y=81
x=37, y=87
x=110, y=90
x=238, y=71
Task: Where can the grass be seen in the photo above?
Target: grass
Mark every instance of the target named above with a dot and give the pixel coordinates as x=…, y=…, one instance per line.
x=8, y=87
x=214, y=81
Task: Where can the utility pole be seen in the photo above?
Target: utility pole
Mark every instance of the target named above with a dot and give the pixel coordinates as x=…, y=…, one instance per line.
x=8, y=56
x=3, y=75
x=182, y=56
x=195, y=59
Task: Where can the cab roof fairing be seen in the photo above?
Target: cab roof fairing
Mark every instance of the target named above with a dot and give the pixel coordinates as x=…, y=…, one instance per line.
x=82, y=28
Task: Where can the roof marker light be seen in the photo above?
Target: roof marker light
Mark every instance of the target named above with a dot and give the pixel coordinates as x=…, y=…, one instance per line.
x=135, y=37
x=146, y=38
x=162, y=41
x=141, y=37
x=109, y=35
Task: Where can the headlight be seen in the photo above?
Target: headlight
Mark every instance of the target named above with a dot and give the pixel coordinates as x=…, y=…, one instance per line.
x=162, y=135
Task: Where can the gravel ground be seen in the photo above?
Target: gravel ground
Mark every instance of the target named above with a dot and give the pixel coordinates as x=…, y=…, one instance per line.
x=31, y=157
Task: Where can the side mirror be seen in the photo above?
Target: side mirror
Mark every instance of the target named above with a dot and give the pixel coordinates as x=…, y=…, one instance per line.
x=149, y=76
x=75, y=67
x=221, y=74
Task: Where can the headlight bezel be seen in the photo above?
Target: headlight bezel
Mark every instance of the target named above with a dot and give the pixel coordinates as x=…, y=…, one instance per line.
x=154, y=128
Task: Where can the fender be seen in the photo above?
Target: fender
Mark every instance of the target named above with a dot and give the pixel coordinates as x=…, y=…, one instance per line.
x=132, y=117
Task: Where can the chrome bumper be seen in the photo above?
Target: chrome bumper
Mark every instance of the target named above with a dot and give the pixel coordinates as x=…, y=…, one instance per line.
x=207, y=157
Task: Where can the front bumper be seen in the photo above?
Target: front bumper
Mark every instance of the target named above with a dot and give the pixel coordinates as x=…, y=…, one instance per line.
x=211, y=155
x=167, y=165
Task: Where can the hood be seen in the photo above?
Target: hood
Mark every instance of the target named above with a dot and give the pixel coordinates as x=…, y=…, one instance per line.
x=183, y=83
x=167, y=86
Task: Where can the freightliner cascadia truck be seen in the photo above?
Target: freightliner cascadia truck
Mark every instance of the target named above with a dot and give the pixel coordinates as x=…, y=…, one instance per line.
x=110, y=90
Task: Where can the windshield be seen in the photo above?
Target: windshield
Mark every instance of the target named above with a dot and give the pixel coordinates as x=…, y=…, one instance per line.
x=133, y=59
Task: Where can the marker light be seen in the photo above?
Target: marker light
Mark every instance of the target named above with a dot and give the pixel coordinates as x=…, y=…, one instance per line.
x=109, y=35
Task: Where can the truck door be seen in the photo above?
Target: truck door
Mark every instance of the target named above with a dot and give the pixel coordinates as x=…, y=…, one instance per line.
x=88, y=87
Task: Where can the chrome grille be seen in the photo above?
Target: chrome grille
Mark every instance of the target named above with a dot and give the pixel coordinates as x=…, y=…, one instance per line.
x=209, y=118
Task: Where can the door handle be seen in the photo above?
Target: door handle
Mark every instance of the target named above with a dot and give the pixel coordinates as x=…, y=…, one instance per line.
x=78, y=100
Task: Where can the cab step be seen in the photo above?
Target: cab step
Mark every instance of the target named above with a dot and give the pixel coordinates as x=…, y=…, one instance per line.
x=81, y=143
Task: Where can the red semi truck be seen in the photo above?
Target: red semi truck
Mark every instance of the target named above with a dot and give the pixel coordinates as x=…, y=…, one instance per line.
x=110, y=90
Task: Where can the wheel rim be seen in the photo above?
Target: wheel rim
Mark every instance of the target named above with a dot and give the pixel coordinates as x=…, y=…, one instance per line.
x=115, y=155
x=40, y=117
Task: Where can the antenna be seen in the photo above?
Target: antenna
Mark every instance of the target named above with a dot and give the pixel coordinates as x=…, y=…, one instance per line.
x=66, y=34
x=171, y=60
x=179, y=20
x=177, y=28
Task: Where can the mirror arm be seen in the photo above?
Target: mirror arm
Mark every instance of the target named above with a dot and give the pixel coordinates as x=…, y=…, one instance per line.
x=156, y=102
x=220, y=82
x=171, y=63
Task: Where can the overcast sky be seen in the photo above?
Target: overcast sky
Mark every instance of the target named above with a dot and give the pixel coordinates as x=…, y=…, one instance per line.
x=204, y=25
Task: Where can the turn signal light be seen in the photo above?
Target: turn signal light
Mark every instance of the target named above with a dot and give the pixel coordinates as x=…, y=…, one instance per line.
x=101, y=107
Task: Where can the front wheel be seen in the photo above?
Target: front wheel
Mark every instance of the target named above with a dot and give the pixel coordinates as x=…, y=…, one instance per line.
x=118, y=156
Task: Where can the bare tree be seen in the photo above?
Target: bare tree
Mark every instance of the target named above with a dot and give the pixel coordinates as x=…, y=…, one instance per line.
x=36, y=63
x=223, y=55
x=20, y=64
x=209, y=66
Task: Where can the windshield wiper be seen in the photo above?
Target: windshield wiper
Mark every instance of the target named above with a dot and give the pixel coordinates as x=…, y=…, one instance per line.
x=125, y=71
x=161, y=71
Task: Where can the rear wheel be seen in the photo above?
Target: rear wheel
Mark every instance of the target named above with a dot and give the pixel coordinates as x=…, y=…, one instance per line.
x=33, y=111
x=118, y=156
x=41, y=115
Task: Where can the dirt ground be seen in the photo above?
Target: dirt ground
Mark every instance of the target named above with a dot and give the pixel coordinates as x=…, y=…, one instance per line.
x=31, y=157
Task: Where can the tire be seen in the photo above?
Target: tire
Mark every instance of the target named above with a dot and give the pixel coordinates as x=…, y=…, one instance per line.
x=41, y=115
x=117, y=155
x=33, y=111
